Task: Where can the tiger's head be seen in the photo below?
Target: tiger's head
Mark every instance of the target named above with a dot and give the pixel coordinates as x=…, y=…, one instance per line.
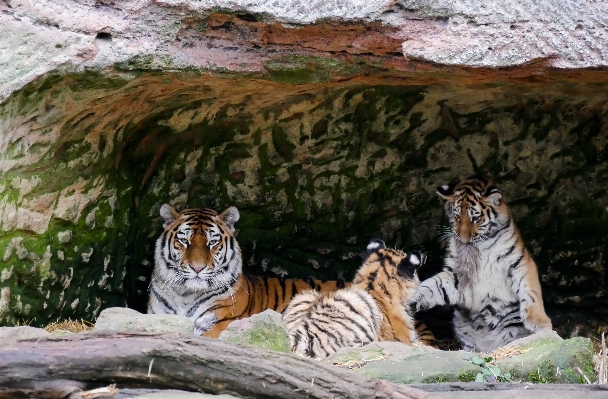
x=475, y=209
x=389, y=271
x=197, y=250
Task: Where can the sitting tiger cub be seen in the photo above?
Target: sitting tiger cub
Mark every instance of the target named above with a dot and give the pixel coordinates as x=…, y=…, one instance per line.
x=198, y=273
x=489, y=275
x=374, y=307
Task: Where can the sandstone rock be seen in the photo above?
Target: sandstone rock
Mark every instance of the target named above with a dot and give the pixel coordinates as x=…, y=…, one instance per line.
x=124, y=319
x=60, y=333
x=14, y=334
x=264, y=330
x=547, y=359
x=78, y=35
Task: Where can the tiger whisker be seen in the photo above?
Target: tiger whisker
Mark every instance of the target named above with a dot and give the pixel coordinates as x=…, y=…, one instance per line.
x=445, y=237
x=226, y=285
x=237, y=281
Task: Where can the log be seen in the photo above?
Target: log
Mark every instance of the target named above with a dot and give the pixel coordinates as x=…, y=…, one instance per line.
x=58, y=367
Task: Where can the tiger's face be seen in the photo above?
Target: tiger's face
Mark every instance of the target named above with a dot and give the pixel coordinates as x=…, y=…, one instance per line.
x=197, y=249
x=475, y=209
x=389, y=271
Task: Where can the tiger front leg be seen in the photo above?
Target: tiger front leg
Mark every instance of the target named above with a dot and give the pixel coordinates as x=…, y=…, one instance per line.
x=436, y=291
x=527, y=287
x=204, y=323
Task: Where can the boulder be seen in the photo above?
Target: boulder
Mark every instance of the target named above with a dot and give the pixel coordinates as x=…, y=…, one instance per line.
x=13, y=334
x=125, y=319
x=546, y=358
x=264, y=330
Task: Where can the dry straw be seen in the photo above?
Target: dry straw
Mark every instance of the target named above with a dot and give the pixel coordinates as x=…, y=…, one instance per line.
x=73, y=326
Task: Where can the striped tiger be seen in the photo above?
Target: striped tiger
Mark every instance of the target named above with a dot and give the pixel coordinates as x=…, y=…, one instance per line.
x=198, y=273
x=374, y=307
x=489, y=275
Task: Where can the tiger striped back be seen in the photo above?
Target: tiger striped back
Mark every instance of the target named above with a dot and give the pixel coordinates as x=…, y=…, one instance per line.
x=198, y=273
x=374, y=307
x=321, y=323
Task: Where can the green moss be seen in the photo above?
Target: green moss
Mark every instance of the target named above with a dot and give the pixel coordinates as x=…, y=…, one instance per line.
x=281, y=143
x=308, y=69
x=586, y=364
x=467, y=376
x=434, y=380
x=544, y=374
x=264, y=335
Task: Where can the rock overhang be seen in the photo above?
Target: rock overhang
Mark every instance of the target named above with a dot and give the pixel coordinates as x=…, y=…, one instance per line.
x=242, y=35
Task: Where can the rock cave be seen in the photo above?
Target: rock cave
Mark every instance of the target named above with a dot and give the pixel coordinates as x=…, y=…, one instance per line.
x=326, y=127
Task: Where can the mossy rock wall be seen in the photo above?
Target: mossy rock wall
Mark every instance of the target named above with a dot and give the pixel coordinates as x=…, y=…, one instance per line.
x=317, y=167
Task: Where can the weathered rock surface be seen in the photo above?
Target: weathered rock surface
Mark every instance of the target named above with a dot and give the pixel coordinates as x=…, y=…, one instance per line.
x=9, y=335
x=547, y=359
x=264, y=330
x=125, y=319
x=168, y=394
x=38, y=37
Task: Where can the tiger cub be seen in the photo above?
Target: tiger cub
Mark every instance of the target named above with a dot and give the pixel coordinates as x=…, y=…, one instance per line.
x=198, y=273
x=489, y=275
x=374, y=307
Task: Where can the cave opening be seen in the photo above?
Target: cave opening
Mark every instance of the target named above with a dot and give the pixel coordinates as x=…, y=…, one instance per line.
x=316, y=169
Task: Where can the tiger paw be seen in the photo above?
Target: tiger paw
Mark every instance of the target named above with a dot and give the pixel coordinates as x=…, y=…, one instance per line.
x=536, y=320
x=418, y=303
x=204, y=323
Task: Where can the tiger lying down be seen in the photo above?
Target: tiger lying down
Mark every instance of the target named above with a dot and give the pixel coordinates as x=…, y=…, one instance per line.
x=198, y=273
x=374, y=307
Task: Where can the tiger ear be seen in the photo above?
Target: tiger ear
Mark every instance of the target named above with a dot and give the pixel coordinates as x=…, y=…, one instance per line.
x=374, y=245
x=169, y=214
x=412, y=262
x=230, y=216
x=446, y=191
x=493, y=196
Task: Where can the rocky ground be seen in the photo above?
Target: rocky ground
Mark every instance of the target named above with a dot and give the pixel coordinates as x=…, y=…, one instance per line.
x=532, y=363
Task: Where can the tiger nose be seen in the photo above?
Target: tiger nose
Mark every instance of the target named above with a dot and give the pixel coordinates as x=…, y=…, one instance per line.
x=197, y=268
x=465, y=236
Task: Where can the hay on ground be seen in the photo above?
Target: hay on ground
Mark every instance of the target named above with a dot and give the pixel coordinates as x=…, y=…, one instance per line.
x=73, y=326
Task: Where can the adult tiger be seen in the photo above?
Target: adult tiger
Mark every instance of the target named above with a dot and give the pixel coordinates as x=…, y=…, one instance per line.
x=198, y=273
x=374, y=307
x=489, y=275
